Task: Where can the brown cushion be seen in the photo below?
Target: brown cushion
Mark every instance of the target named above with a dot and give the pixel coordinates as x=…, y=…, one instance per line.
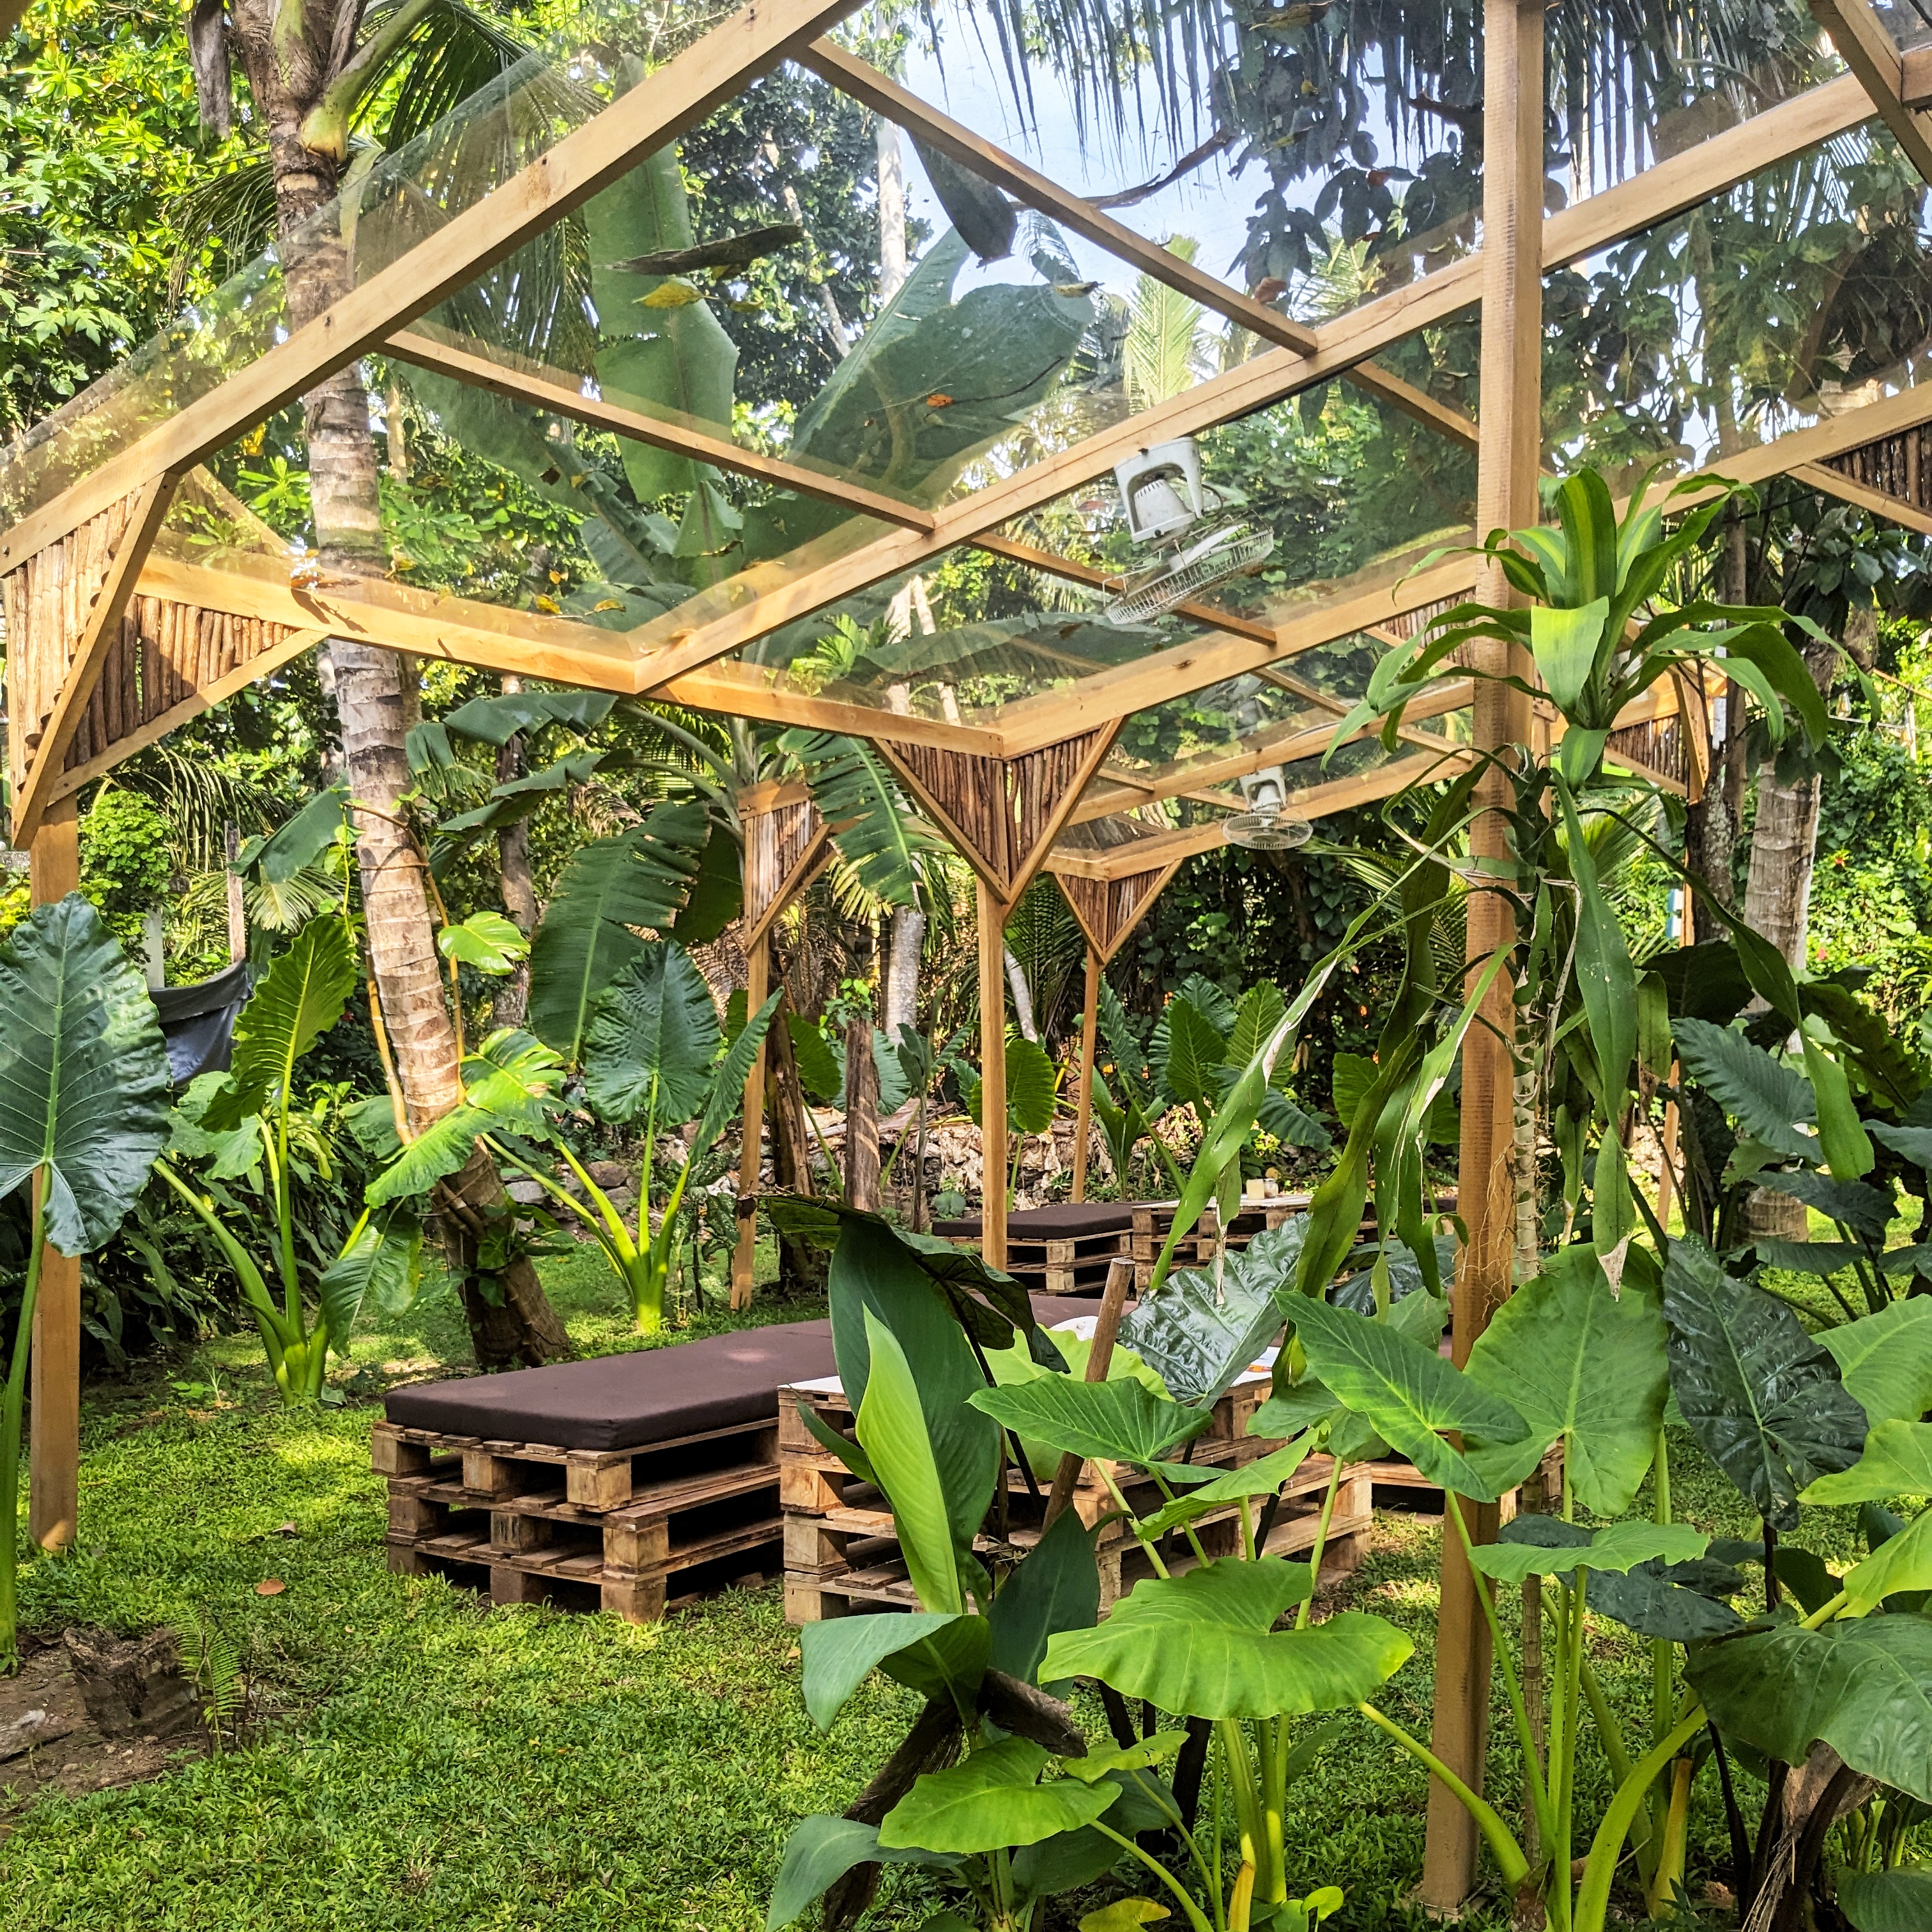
x=649, y=1395
x=1065, y=1222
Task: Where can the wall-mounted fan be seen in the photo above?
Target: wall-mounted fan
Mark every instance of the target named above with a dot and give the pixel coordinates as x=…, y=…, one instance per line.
x=1267, y=825
x=1166, y=504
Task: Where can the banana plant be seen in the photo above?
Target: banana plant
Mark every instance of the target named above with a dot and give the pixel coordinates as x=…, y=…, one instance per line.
x=248, y=1126
x=1030, y=1810
x=84, y=1075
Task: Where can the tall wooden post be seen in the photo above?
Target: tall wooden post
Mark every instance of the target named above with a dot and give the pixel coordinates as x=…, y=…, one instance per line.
x=992, y=913
x=1090, y=1031
x=757, y=988
x=54, y=1457
x=1510, y=445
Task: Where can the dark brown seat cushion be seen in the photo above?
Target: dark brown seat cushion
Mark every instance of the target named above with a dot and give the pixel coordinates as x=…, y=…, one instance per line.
x=650, y=1395
x=1065, y=1222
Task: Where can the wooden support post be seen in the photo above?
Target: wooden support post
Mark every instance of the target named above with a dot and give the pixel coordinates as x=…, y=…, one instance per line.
x=54, y=1456
x=757, y=975
x=1090, y=1030
x=1506, y=497
x=238, y=917
x=992, y=912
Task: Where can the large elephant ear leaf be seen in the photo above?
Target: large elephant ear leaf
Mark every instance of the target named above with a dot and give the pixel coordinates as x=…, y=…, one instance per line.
x=83, y=1072
x=303, y=996
x=611, y=887
x=1763, y=1399
x=653, y=1036
x=1581, y=1362
x=1408, y=1393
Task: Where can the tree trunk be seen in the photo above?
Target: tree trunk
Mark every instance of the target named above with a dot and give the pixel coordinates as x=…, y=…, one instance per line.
x=1016, y=978
x=902, y=977
x=287, y=72
x=862, y=1088
x=1777, y=892
x=512, y=998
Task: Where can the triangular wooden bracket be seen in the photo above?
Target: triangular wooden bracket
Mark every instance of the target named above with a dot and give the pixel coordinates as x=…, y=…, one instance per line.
x=1002, y=814
x=786, y=845
x=1108, y=910
x=63, y=608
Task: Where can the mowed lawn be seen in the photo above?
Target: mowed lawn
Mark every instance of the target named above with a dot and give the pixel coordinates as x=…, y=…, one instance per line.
x=427, y=1763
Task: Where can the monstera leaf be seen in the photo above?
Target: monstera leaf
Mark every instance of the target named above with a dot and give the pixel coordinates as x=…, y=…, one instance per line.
x=83, y=1072
x=586, y=939
x=303, y=996
x=652, y=1036
x=509, y=1086
x=1762, y=1397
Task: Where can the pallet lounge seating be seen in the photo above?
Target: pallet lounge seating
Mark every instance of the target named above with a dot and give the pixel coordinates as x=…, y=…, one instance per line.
x=840, y=1553
x=625, y=1482
x=1058, y=1250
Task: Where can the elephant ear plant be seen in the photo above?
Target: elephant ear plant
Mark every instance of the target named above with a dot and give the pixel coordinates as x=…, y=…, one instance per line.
x=996, y=1792
x=83, y=1115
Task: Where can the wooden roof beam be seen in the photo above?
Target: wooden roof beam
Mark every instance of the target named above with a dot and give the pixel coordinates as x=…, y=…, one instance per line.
x=680, y=94
x=1874, y=58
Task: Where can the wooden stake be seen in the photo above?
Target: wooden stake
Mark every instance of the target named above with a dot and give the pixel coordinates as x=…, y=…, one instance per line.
x=238, y=917
x=757, y=973
x=992, y=913
x=1506, y=497
x=1083, y=1117
x=54, y=1456
x=1106, y=1327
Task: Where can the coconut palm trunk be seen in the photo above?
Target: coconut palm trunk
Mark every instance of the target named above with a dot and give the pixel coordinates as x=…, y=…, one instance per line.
x=292, y=53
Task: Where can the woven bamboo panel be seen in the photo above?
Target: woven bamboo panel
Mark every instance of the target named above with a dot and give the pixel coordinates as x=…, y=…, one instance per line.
x=1898, y=465
x=167, y=654
x=46, y=602
x=777, y=844
x=1109, y=909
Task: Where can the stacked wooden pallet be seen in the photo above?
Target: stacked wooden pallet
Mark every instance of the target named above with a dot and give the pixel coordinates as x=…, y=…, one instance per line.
x=1153, y=1220
x=1062, y=1250
x=587, y=1529
x=1541, y=1492
x=841, y=1552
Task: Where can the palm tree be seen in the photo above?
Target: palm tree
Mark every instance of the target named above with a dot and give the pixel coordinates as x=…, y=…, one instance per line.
x=311, y=66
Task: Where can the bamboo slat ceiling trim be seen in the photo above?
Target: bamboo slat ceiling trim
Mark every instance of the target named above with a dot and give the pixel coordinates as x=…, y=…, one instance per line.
x=1108, y=910
x=786, y=842
x=47, y=602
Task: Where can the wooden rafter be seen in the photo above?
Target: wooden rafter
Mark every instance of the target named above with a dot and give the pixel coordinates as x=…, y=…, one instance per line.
x=536, y=384
x=1108, y=910
x=866, y=84
x=1873, y=56
x=1850, y=488
x=786, y=845
x=63, y=608
x=688, y=87
x=1002, y=814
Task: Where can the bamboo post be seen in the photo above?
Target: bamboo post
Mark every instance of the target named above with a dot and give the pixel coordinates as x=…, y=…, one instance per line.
x=1090, y=1030
x=992, y=916
x=758, y=975
x=54, y=1456
x=1099, y=1357
x=1506, y=497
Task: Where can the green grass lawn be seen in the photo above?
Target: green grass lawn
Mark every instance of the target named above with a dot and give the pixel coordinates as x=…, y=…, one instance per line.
x=431, y=1764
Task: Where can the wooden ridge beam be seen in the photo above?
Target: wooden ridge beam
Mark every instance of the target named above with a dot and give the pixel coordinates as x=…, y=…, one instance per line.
x=556, y=390
x=1874, y=57
x=677, y=96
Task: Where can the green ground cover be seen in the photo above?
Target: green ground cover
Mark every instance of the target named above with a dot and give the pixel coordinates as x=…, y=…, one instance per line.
x=429, y=1764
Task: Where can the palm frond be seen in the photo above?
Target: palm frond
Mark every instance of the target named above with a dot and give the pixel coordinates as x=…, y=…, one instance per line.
x=1165, y=353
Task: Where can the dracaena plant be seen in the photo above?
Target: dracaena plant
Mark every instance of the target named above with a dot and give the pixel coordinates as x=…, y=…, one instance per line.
x=996, y=1792
x=84, y=1077
x=1598, y=625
